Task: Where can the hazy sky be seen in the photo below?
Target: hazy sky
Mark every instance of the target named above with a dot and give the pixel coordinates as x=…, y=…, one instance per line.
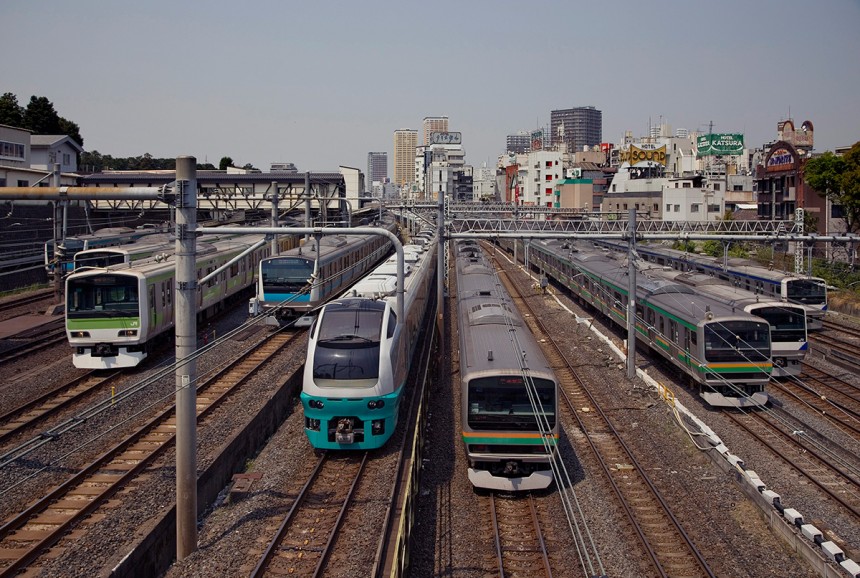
x=320, y=83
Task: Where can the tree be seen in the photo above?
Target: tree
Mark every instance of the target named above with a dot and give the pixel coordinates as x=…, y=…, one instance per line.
x=71, y=129
x=838, y=179
x=225, y=162
x=11, y=113
x=40, y=116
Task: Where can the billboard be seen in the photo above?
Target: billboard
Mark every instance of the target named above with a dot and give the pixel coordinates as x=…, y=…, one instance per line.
x=446, y=138
x=719, y=144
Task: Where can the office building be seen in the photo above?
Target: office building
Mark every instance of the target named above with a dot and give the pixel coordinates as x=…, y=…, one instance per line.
x=377, y=168
x=518, y=143
x=576, y=127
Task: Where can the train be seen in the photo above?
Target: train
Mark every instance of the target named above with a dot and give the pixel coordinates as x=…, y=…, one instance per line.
x=788, y=333
x=300, y=280
x=143, y=248
x=809, y=292
x=106, y=237
x=116, y=314
x=723, y=351
x=508, y=391
x=359, y=354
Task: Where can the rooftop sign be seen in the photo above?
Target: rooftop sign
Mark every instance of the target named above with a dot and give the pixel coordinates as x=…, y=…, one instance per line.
x=446, y=138
x=719, y=144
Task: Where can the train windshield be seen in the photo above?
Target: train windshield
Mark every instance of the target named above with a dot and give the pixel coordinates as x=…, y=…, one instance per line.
x=347, y=341
x=786, y=323
x=100, y=259
x=286, y=274
x=102, y=296
x=737, y=341
x=502, y=403
x=807, y=291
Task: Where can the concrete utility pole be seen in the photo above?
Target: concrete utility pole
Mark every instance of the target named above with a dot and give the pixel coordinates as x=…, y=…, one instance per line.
x=186, y=345
x=59, y=239
x=631, y=297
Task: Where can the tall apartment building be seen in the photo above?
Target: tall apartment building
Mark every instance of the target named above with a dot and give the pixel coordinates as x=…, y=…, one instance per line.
x=377, y=169
x=405, y=141
x=518, y=143
x=432, y=124
x=576, y=127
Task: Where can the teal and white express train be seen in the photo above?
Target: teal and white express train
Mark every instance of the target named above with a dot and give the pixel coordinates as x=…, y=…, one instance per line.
x=359, y=354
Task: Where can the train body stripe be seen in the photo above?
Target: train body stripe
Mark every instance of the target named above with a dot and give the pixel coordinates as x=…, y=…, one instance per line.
x=513, y=438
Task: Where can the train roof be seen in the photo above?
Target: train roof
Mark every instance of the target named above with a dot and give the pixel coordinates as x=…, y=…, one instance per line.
x=162, y=263
x=678, y=299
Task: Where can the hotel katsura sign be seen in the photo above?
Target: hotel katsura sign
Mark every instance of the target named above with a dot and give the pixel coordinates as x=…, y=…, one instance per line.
x=719, y=144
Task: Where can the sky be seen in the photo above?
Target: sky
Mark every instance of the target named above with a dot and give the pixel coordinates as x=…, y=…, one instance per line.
x=320, y=84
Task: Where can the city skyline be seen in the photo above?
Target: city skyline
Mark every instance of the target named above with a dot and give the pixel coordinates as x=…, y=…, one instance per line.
x=287, y=83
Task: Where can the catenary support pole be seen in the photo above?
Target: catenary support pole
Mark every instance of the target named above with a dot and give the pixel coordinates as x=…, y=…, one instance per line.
x=275, y=216
x=186, y=345
x=59, y=239
x=631, y=297
x=440, y=269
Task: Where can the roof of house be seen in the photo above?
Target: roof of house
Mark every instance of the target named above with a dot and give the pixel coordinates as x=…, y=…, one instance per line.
x=47, y=140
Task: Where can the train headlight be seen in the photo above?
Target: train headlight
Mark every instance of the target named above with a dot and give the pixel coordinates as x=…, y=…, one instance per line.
x=127, y=333
x=376, y=404
x=80, y=333
x=315, y=404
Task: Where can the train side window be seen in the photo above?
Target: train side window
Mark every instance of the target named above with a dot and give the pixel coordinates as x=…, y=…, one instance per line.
x=650, y=319
x=163, y=296
x=392, y=324
x=660, y=326
x=234, y=269
x=693, y=337
x=673, y=330
x=170, y=292
x=152, y=296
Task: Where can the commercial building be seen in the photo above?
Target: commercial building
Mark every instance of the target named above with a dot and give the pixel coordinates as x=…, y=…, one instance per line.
x=432, y=124
x=377, y=168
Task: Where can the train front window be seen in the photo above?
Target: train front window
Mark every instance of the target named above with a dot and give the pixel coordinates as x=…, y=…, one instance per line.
x=286, y=274
x=807, y=291
x=502, y=403
x=786, y=324
x=100, y=259
x=737, y=341
x=102, y=296
x=348, y=341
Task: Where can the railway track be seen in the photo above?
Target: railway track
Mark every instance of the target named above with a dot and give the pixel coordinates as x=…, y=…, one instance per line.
x=520, y=546
x=25, y=299
x=837, y=349
x=844, y=329
x=667, y=546
x=840, y=485
x=26, y=536
x=830, y=395
x=305, y=538
x=36, y=411
x=48, y=335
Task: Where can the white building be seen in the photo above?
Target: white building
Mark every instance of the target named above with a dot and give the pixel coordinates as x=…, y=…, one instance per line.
x=46, y=150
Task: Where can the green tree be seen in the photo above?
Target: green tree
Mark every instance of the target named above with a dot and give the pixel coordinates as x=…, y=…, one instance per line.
x=225, y=162
x=40, y=116
x=11, y=113
x=838, y=179
x=71, y=129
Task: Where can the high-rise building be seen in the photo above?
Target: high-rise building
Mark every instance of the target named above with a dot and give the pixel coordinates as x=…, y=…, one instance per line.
x=576, y=127
x=377, y=169
x=518, y=143
x=405, y=141
x=433, y=124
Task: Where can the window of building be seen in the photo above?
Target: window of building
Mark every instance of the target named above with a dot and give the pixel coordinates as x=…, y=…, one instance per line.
x=625, y=206
x=738, y=188
x=687, y=185
x=716, y=186
x=11, y=150
x=656, y=207
x=713, y=208
x=67, y=159
x=694, y=208
x=549, y=204
x=23, y=183
x=548, y=177
x=549, y=164
x=548, y=191
x=668, y=207
x=836, y=211
x=677, y=208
